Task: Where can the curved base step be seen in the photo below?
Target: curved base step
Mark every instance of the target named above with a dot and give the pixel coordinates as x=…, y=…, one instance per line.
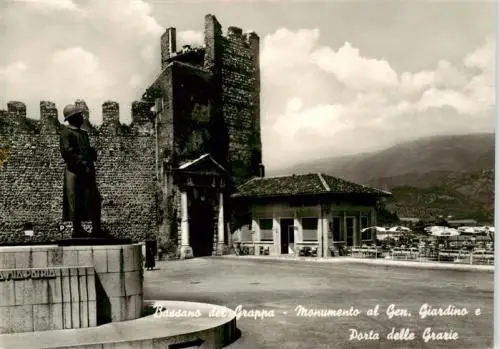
x=175, y=325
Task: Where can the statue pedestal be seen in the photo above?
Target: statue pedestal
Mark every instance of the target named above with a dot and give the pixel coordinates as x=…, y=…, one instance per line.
x=50, y=287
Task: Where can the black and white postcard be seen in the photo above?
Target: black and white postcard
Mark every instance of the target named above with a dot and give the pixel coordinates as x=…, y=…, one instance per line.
x=247, y=174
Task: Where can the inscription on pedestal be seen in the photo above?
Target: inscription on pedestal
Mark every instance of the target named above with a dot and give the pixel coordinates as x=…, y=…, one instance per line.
x=45, y=298
x=21, y=274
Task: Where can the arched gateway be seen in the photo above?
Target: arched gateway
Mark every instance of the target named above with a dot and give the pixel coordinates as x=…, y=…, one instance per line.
x=202, y=184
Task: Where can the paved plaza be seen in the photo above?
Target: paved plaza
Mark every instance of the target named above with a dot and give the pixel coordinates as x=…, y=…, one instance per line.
x=311, y=302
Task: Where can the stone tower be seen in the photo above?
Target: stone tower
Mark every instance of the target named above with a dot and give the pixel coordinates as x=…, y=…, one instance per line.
x=209, y=104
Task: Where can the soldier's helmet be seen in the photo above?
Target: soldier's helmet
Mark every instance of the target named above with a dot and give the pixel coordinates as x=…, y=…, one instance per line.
x=71, y=110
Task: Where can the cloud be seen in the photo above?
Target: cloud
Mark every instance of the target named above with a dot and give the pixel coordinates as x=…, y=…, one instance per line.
x=318, y=99
x=72, y=73
x=434, y=98
x=11, y=76
x=68, y=5
x=369, y=105
x=13, y=72
x=136, y=81
x=300, y=43
x=133, y=15
x=190, y=37
x=112, y=53
x=483, y=57
x=353, y=70
x=81, y=71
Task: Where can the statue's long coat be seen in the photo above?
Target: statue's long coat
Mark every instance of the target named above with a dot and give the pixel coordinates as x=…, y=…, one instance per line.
x=81, y=195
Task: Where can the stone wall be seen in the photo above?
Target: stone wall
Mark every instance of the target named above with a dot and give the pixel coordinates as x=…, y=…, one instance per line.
x=162, y=88
x=233, y=60
x=31, y=173
x=192, y=123
x=240, y=102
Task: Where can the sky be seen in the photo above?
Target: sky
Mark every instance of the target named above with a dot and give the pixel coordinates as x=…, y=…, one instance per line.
x=338, y=78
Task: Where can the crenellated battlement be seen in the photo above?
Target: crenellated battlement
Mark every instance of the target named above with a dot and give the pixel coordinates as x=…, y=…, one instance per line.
x=141, y=112
x=110, y=113
x=31, y=171
x=87, y=126
x=14, y=119
x=49, y=121
x=16, y=108
x=203, y=56
x=250, y=39
x=234, y=31
x=253, y=40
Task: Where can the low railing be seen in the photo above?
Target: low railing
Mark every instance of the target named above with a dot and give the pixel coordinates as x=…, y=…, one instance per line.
x=465, y=256
x=310, y=249
x=449, y=255
x=365, y=251
x=410, y=253
x=424, y=254
x=482, y=257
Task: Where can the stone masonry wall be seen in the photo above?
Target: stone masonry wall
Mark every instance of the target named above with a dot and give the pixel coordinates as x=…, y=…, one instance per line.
x=185, y=131
x=235, y=59
x=162, y=88
x=211, y=109
x=192, y=131
x=31, y=174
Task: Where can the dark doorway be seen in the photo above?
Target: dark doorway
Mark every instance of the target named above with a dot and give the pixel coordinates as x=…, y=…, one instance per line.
x=337, y=229
x=287, y=239
x=201, y=227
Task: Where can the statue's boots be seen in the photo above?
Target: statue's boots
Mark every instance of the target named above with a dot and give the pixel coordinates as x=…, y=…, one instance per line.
x=79, y=232
x=98, y=232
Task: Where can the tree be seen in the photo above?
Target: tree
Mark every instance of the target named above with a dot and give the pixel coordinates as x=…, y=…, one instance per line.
x=384, y=216
x=151, y=94
x=419, y=227
x=441, y=221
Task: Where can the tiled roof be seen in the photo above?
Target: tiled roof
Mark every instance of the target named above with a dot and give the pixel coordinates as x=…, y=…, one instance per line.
x=309, y=184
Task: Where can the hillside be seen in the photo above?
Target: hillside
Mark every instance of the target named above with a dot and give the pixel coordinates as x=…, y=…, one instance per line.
x=448, y=175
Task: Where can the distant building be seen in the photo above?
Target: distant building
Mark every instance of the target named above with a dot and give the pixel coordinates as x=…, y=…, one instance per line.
x=462, y=223
x=317, y=211
x=408, y=214
x=408, y=221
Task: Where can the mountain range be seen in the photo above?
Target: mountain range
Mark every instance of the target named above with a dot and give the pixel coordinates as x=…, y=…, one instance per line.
x=438, y=175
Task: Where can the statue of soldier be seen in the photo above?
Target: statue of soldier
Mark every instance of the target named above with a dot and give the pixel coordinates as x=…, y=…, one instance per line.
x=81, y=195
